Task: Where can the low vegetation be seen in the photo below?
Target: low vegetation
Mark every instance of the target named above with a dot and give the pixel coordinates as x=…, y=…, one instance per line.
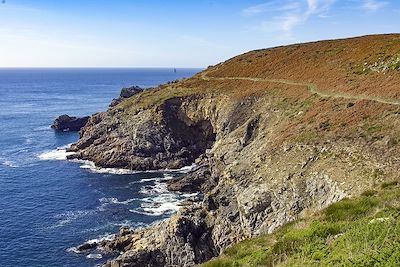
x=363, y=231
x=152, y=98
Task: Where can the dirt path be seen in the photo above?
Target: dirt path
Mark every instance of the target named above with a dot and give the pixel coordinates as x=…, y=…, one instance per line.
x=311, y=87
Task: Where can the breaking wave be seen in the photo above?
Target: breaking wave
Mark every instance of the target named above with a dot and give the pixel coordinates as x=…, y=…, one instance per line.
x=9, y=164
x=57, y=154
x=106, y=201
x=61, y=153
x=91, y=166
x=106, y=237
x=70, y=216
x=159, y=201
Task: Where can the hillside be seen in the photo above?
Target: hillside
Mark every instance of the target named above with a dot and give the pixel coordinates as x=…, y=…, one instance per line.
x=276, y=134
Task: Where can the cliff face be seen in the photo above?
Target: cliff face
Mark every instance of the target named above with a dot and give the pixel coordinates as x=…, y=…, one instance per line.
x=275, y=134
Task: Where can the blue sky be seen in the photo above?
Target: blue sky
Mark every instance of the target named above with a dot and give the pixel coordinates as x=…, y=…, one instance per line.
x=174, y=33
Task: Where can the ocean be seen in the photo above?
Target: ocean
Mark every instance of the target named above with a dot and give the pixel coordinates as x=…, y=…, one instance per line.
x=49, y=205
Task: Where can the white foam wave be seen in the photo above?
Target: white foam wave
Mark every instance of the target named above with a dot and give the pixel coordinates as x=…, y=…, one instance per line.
x=105, y=201
x=94, y=256
x=114, y=200
x=58, y=154
x=157, y=188
x=138, y=211
x=70, y=216
x=185, y=169
x=61, y=154
x=158, y=209
x=89, y=165
x=42, y=128
x=162, y=204
x=55, y=155
x=124, y=223
x=160, y=201
x=9, y=163
x=190, y=195
x=155, y=179
x=106, y=236
x=164, y=208
x=73, y=250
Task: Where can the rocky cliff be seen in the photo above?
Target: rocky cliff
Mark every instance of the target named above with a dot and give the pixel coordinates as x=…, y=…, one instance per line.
x=276, y=134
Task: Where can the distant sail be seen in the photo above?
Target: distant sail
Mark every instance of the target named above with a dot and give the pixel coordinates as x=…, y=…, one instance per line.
x=175, y=70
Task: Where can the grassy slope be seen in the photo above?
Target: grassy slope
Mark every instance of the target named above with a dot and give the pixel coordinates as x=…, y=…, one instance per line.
x=363, y=231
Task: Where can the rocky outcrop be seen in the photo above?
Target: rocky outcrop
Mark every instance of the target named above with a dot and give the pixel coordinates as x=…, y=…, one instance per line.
x=198, y=180
x=248, y=189
x=154, y=139
x=126, y=93
x=267, y=152
x=67, y=123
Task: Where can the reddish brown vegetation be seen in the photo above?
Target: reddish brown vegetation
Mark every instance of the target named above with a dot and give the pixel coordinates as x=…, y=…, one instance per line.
x=331, y=65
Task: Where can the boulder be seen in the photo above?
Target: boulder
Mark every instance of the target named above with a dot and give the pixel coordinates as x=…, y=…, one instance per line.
x=198, y=180
x=67, y=123
x=86, y=246
x=126, y=93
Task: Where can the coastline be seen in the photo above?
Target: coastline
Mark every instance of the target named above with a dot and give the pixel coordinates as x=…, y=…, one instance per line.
x=157, y=199
x=61, y=153
x=268, y=149
x=55, y=205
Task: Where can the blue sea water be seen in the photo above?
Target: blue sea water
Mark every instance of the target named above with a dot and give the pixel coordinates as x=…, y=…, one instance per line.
x=48, y=205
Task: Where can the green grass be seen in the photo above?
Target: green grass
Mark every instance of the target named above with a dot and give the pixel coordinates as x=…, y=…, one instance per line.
x=389, y=184
x=395, y=66
x=363, y=231
x=152, y=98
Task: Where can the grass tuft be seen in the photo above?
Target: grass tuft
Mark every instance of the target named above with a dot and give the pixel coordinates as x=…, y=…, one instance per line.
x=389, y=184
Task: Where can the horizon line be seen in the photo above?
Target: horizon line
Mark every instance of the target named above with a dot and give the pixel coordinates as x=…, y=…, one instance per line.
x=102, y=67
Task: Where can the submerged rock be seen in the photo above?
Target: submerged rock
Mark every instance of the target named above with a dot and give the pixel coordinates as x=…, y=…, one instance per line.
x=126, y=93
x=67, y=123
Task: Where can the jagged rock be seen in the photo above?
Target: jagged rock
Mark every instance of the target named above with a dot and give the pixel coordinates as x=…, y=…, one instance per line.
x=126, y=93
x=86, y=246
x=67, y=123
x=196, y=181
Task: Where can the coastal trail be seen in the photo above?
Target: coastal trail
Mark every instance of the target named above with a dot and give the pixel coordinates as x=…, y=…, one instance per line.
x=311, y=88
